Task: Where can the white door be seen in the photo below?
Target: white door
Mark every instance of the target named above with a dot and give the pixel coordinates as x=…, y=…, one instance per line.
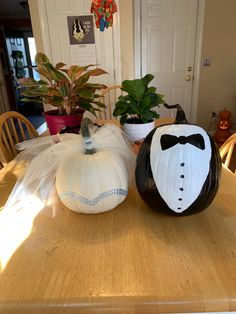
x=168, y=30
x=106, y=43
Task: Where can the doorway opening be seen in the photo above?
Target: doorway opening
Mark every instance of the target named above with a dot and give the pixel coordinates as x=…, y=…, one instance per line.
x=17, y=56
x=21, y=52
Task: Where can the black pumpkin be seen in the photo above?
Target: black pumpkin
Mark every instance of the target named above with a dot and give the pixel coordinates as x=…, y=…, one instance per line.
x=178, y=167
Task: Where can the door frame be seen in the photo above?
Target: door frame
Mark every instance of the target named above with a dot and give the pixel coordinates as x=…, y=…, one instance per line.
x=197, y=57
x=4, y=102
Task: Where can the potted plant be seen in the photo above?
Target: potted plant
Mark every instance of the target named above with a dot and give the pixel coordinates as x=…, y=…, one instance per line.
x=67, y=89
x=17, y=56
x=136, y=108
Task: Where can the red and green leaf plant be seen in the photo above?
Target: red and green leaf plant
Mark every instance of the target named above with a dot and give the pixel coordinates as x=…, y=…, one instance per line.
x=68, y=89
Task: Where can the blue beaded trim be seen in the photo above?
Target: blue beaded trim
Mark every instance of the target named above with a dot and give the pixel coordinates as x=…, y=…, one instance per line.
x=94, y=202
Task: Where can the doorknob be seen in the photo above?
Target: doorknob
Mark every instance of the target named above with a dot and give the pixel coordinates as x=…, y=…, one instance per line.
x=189, y=69
x=188, y=77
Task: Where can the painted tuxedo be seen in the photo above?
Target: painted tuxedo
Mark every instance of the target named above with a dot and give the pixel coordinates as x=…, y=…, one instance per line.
x=178, y=169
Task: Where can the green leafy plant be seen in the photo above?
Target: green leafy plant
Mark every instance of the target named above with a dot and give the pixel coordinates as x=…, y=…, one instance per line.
x=67, y=89
x=137, y=106
x=17, y=54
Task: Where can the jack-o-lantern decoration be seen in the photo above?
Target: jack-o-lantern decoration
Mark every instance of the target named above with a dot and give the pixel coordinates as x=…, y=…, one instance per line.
x=178, y=167
x=224, y=125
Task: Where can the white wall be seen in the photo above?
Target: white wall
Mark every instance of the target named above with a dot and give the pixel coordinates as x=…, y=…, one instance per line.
x=218, y=81
x=39, y=27
x=127, y=39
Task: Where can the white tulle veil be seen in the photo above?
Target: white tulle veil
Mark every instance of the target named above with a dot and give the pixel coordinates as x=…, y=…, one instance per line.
x=44, y=154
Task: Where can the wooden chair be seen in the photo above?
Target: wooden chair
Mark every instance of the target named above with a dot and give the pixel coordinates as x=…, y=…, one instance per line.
x=14, y=128
x=226, y=153
x=109, y=97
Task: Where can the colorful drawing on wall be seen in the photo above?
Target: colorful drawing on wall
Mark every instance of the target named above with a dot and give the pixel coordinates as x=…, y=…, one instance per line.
x=103, y=11
x=81, y=29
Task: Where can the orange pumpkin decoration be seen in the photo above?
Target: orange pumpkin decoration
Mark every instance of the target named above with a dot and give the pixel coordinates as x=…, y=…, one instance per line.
x=224, y=125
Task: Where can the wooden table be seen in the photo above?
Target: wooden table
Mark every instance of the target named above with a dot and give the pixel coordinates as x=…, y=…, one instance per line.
x=129, y=260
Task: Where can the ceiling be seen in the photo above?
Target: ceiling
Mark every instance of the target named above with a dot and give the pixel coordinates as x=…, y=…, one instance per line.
x=12, y=9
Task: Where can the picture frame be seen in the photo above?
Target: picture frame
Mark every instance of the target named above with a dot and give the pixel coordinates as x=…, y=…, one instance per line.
x=81, y=29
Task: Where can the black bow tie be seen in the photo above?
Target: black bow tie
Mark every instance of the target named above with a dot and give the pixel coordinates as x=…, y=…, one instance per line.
x=167, y=141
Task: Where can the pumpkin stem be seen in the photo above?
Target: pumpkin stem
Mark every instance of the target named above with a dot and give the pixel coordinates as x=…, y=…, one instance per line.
x=88, y=144
x=180, y=115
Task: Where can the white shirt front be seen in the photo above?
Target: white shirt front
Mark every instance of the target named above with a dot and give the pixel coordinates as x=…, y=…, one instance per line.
x=180, y=171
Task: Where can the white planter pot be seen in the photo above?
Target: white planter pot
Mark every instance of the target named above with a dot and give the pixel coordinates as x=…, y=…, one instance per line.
x=137, y=132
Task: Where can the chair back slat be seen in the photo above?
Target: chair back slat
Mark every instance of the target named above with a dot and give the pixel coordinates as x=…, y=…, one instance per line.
x=228, y=153
x=8, y=152
x=14, y=128
x=109, y=97
x=10, y=138
x=29, y=132
x=22, y=133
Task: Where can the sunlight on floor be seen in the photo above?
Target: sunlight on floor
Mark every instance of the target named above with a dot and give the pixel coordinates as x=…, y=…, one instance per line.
x=16, y=226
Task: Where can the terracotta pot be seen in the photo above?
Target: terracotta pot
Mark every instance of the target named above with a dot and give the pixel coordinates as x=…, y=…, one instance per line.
x=56, y=123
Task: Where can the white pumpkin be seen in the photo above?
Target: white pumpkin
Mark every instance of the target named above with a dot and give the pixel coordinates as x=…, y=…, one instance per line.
x=92, y=182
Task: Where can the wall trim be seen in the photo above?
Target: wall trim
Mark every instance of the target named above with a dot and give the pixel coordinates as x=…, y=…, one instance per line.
x=137, y=39
x=41, y=32
x=40, y=26
x=116, y=46
x=198, y=59
x=198, y=50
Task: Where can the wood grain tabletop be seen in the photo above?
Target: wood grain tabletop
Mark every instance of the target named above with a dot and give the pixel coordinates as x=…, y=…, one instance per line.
x=129, y=260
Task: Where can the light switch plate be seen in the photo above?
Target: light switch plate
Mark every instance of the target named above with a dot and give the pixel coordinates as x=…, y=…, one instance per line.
x=206, y=61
